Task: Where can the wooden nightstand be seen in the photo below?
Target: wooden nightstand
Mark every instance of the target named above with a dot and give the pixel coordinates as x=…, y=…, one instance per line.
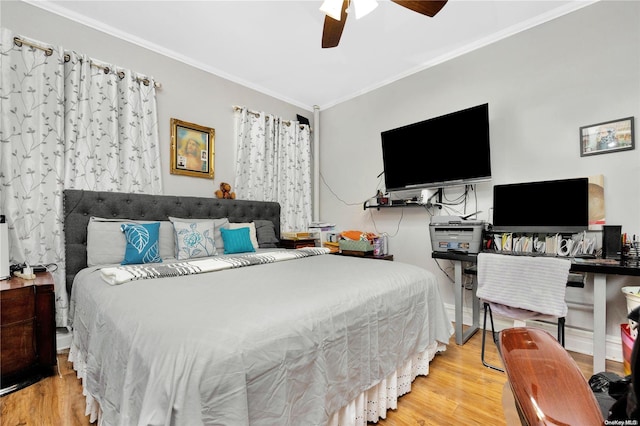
x=365, y=255
x=295, y=244
x=27, y=331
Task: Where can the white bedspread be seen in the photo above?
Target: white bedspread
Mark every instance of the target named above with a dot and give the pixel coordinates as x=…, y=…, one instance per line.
x=287, y=343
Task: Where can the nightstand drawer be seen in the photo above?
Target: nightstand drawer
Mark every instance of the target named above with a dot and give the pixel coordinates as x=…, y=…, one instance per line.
x=27, y=331
x=17, y=305
x=18, y=346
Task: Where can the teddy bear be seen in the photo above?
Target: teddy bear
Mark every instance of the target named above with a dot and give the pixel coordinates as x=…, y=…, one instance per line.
x=225, y=191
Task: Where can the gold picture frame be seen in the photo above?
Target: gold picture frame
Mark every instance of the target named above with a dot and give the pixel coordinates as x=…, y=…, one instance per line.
x=192, y=149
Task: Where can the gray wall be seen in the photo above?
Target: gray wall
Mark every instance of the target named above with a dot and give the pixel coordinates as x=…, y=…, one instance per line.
x=187, y=93
x=541, y=86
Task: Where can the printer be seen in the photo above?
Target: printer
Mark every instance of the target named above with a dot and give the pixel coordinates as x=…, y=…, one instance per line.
x=454, y=233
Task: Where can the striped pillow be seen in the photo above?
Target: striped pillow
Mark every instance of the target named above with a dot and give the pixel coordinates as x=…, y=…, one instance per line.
x=237, y=240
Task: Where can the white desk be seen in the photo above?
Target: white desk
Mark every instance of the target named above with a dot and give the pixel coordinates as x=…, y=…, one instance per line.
x=600, y=272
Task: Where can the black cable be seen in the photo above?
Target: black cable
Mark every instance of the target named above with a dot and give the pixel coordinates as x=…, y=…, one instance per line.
x=48, y=267
x=340, y=199
x=444, y=272
x=375, y=227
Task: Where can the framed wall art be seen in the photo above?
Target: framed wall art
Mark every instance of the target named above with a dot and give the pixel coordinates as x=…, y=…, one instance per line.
x=609, y=136
x=192, y=149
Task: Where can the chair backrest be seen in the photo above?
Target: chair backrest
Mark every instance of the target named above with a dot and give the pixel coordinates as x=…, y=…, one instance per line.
x=531, y=283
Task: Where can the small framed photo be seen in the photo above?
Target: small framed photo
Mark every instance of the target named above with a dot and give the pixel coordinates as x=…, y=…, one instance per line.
x=192, y=149
x=610, y=136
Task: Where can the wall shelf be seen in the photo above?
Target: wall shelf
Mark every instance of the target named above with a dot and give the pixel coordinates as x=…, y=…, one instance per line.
x=410, y=202
x=386, y=206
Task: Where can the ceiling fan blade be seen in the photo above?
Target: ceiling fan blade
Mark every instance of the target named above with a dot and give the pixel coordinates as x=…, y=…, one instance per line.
x=332, y=30
x=426, y=7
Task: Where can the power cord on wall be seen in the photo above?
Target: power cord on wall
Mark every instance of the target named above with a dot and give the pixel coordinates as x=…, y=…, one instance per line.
x=359, y=203
x=446, y=204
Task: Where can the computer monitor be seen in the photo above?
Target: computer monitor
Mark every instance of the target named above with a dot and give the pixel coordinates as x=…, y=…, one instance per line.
x=542, y=207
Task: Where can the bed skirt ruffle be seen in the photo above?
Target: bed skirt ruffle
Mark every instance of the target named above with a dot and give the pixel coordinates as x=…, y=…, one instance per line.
x=373, y=404
x=370, y=406
x=92, y=408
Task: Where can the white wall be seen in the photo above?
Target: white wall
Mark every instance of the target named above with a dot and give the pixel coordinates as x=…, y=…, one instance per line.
x=541, y=86
x=187, y=93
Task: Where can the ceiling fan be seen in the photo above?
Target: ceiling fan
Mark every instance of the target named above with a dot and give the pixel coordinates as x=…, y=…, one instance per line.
x=336, y=14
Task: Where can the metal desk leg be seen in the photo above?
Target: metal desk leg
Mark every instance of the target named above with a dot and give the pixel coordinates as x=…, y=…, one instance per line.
x=599, y=322
x=476, y=307
x=462, y=337
x=459, y=302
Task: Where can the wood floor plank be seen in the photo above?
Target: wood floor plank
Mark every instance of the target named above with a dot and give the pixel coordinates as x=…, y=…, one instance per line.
x=458, y=390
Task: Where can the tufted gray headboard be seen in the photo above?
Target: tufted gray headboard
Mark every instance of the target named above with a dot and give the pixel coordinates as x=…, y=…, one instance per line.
x=80, y=205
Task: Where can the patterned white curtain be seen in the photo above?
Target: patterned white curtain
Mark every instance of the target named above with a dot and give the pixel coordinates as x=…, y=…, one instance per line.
x=273, y=163
x=111, y=137
x=63, y=125
x=32, y=157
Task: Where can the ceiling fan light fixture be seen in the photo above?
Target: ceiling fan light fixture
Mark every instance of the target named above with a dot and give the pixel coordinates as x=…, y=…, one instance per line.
x=364, y=7
x=332, y=8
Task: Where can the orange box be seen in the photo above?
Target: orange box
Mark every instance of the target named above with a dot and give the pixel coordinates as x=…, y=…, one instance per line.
x=627, y=347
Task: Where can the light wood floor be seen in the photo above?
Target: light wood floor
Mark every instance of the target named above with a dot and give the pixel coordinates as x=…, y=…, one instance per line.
x=458, y=390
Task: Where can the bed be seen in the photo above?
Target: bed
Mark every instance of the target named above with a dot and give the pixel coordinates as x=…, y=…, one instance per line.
x=282, y=337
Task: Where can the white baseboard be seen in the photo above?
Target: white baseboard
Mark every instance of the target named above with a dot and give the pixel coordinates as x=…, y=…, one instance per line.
x=63, y=339
x=576, y=340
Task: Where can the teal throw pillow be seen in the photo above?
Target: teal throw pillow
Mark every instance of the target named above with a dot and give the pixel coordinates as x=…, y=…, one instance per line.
x=237, y=240
x=142, y=243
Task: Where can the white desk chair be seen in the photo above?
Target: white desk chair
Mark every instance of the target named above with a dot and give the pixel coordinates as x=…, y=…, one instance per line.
x=522, y=288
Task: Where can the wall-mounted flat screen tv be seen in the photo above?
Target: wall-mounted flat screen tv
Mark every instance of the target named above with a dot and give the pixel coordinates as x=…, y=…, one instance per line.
x=451, y=149
x=542, y=207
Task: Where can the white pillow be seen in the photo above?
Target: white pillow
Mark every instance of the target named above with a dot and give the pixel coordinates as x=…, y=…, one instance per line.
x=252, y=232
x=106, y=243
x=217, y=223
x=194, y=239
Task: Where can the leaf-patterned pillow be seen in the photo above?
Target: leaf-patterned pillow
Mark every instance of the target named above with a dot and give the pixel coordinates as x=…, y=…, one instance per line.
x=194, y=239
x=142, y=243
